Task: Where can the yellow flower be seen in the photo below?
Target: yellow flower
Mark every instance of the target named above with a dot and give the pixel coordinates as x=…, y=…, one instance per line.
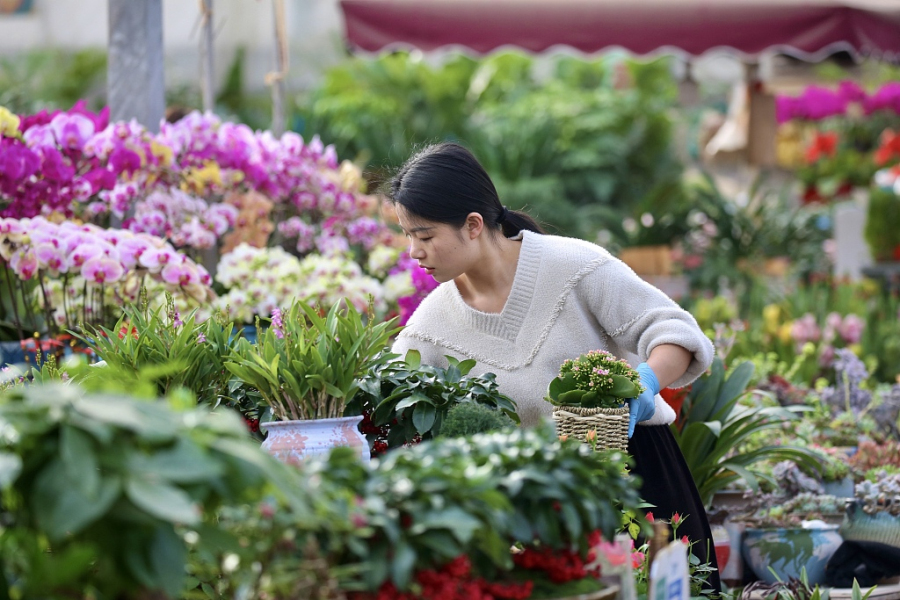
x=855, y=349
x=9, y=123
x=200, y=180
x=771, y=318
x=162, y=152
x=784, y=332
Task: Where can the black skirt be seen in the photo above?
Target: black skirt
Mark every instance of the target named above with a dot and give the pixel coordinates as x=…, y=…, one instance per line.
x=666, y=483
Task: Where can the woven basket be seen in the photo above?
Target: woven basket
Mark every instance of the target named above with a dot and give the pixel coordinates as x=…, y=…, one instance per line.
x=611, y=425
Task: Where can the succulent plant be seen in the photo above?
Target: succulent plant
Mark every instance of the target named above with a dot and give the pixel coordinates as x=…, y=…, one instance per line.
x=882, y=495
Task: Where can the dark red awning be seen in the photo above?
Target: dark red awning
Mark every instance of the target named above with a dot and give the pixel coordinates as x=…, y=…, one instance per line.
x=802, y=27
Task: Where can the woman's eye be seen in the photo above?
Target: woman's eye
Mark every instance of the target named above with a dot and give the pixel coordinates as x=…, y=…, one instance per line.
x=424, y=239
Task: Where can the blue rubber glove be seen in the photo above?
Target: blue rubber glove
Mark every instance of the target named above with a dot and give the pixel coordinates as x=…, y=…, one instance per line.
x=643, y=407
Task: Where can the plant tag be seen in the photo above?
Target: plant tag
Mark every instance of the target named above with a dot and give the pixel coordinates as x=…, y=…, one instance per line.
x=669, y=574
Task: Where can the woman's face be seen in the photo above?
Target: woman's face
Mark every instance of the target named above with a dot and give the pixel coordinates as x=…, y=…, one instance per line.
x=441, y=249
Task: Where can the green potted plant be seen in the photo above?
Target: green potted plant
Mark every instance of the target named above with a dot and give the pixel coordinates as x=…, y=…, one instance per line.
x=306, y=366
x=881, y=231
x=874, y=515
x=590, y=397
x=715, y=428
x=105, y=493
x=403, y=401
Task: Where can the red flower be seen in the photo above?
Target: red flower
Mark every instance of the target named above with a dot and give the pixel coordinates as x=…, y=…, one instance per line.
x=676, y=519
x=824, y=144
x=889, y=149
x=650, y=516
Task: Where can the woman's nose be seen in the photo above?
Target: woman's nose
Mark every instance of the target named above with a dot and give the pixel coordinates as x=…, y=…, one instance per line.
x=415, y=251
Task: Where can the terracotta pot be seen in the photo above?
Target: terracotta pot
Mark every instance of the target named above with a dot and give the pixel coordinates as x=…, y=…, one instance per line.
x=292, y=441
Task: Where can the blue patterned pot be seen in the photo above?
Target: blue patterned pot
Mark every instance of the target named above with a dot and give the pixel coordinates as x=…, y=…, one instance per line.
x=788, y=551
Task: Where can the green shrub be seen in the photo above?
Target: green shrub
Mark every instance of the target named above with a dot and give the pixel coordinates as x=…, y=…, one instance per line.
x=469, y=418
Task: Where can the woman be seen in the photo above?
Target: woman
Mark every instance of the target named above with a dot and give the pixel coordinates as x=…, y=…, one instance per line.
x=520, y=302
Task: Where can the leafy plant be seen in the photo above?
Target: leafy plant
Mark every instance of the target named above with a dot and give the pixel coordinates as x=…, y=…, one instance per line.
x=713, y=428
x=308, y=365
x=101, y=489
x=412, y=400
x=475, y=496
x=596, y=379
x=145, y=338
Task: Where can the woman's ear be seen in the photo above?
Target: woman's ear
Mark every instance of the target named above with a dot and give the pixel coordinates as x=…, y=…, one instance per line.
x=474, y=225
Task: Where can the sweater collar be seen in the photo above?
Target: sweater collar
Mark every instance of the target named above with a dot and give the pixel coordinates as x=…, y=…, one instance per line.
x=508, y=322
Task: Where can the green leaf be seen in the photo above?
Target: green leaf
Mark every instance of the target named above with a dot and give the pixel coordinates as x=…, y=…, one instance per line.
x=183, y=463
x=623, y=387
x=466, y=366
x=423, y=417
x=162, y=501
x=62, y=508
x=77, y=453
x=404, y=560
x=413, y=359
x=412, y=400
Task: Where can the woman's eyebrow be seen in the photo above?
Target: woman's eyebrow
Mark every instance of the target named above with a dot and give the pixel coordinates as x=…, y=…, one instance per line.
x=418, y=229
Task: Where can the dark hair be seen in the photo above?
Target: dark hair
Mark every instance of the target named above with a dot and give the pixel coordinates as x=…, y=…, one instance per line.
x=444, y=183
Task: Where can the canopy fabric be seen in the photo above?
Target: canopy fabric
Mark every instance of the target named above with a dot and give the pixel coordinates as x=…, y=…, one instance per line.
x=800, y=27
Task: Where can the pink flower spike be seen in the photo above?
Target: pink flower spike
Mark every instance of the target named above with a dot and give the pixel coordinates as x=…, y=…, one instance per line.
x=102, y=270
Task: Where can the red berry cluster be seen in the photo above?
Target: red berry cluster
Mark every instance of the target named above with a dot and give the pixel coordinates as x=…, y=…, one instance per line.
x=252, y=424
x=453, y=581
x=368, y=428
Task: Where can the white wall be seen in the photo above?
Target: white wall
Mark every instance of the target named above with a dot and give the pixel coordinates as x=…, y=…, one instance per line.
x=314, y=29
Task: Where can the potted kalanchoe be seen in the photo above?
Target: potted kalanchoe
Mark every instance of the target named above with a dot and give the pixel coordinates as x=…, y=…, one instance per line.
x=590, y=397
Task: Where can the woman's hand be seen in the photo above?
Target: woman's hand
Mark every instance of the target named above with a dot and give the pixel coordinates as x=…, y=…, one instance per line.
x=644, y=406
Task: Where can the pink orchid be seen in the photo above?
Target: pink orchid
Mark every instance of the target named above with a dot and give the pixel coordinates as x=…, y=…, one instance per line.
x=51, y=257
x=130, y=250
x=180, y=274
x=84, y=252
x=102, y=270
x=24, y=263
x=72, y=130
x=155, y=259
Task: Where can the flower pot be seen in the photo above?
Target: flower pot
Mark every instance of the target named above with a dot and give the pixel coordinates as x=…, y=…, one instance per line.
x=788, y=551
x=292, y=441
x=648, y=260
x=881, y=527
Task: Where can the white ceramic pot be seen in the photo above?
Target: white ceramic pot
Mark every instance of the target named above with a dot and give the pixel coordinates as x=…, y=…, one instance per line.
x=292, y=441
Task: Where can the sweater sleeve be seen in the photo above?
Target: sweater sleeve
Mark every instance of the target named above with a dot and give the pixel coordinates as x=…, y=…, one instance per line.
x=639, y=317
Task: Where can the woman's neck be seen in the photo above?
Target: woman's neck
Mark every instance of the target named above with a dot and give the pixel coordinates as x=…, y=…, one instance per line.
x=487, y=285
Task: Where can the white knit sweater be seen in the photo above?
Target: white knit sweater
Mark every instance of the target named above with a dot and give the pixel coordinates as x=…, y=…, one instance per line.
x=568, y=297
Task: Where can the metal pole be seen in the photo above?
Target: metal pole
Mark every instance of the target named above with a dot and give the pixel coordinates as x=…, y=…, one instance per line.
x=276, y=78
x=135, y=81
x=207, y=87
